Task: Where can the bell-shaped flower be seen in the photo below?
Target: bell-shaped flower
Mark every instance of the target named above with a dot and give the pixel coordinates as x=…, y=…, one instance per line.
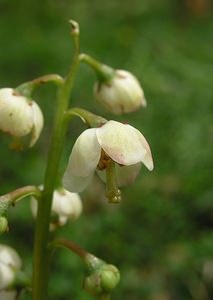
x=19, y=116
x=95, y=148
x=122, y=94
x=65, y=206
x=10, y=264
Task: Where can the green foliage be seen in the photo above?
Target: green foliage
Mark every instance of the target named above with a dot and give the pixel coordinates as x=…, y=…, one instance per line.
x=160, y=235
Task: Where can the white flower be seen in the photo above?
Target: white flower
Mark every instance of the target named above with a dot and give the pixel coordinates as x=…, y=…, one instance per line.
x=93, y=149
x=19, y=116
x=123, y=94
x=10, y=263
x=65, y=205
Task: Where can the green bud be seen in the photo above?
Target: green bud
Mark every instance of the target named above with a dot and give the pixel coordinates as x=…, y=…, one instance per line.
x=110, y=277
x=102, y=280
x=3, y=225
x=92, y=284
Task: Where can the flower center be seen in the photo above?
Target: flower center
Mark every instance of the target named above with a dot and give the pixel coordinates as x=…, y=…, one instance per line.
x=104, y=161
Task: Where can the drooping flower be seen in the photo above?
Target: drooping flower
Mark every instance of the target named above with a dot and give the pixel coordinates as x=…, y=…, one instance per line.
x=10, y=264
x=66, y=206
x=96, y=147
x=122, y=94
x=19, y=116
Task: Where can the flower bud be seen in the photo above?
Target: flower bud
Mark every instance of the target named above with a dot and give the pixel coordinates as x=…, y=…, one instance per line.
x=10, y=264
x=102, y=280
x=19, y=116
x=65, y=205
x=3, y=224
x=122, y=94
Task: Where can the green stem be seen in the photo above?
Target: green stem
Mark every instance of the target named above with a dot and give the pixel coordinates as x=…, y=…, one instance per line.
x=13, y=197
x=86, y=116
x=104, y=73
x=41, y=252
x=28, y=88
x=20, y=193
x=71, y=246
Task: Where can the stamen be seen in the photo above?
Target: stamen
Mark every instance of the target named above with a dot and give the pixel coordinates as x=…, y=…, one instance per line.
x=104, y=161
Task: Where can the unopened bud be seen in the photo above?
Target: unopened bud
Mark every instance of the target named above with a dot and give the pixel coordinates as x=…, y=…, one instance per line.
x=19, y=116
x=102, y=280
x=122, y=94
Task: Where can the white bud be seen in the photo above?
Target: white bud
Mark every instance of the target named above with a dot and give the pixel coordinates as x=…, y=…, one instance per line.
x=10, y=263
x=123, y=94
x=19, y=116
x=66, y=205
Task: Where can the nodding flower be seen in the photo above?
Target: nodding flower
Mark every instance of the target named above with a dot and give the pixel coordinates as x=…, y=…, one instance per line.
x=65, y=206
x=96, y=148
x=121, y=94
x=20, y=116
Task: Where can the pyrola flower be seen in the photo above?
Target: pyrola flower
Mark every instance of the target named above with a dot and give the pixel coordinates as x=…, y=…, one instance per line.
x=122, y=94
x=65, y=205
x=95, y=147
x=10, y=263
x=19, y=116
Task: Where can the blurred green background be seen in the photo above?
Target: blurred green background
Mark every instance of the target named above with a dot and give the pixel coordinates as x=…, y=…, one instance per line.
x=160, y=236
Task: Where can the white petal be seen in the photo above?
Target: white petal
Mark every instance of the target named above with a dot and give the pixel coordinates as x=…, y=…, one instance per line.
x=67, y=204
x=127, y=174
x=9, y=256
x=76, y=184
x=147, y=159
x=16, y=115
x=123, y=94
x=7, y=276
x=122, y=142
x=10, y=262
x=38, y=122
x=85, y=154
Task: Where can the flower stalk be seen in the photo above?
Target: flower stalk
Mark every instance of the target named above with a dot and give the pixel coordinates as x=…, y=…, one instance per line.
x=112, y=191
x=41, y=252
x=104, y=73
x=28, y=88
x=86, y=116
